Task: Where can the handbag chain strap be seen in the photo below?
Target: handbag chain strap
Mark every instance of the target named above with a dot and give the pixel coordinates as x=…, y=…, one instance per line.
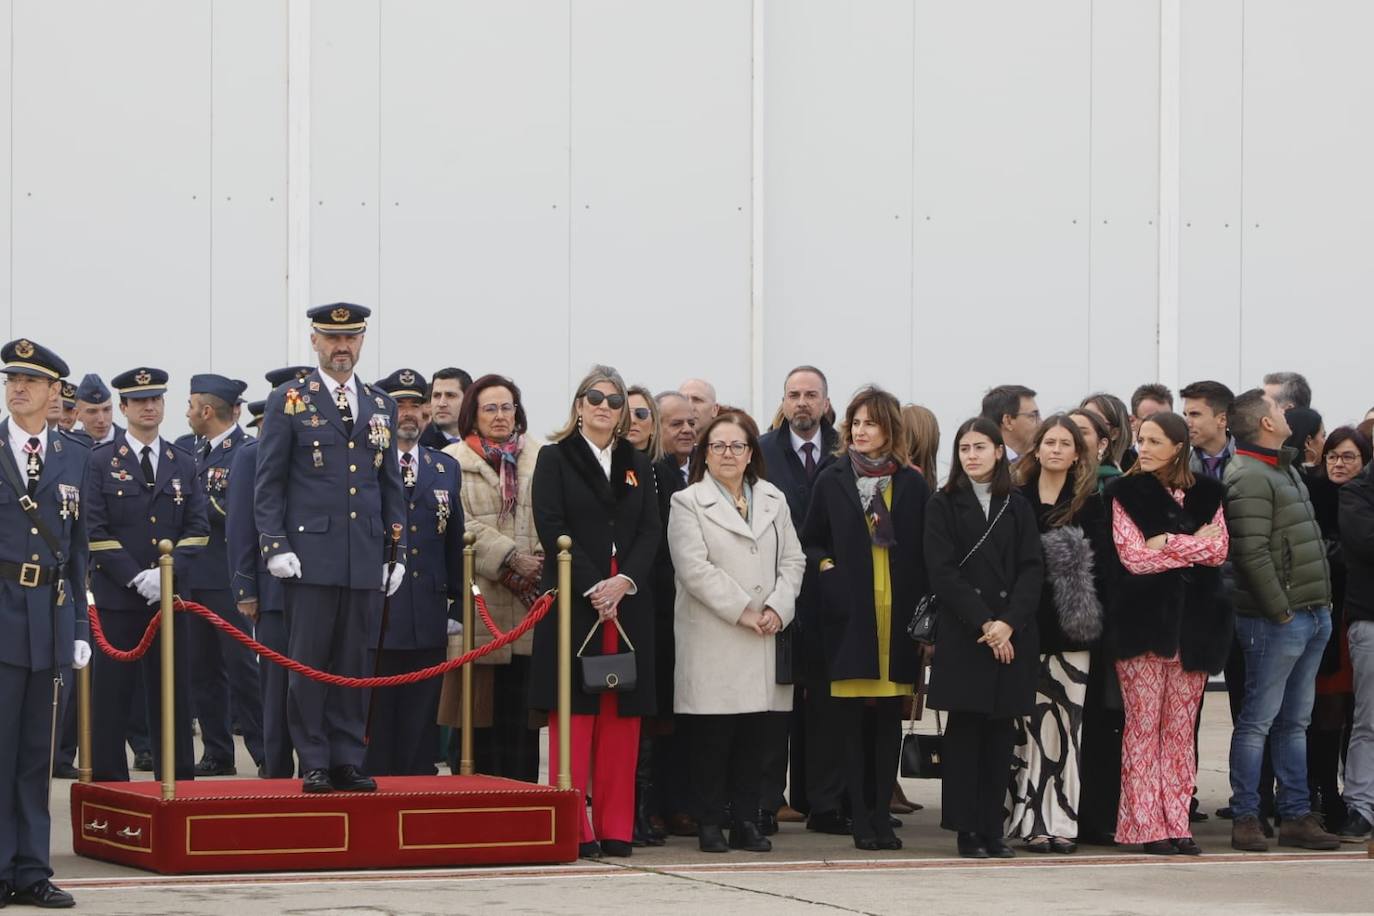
x=992, y=525
x=593, y=630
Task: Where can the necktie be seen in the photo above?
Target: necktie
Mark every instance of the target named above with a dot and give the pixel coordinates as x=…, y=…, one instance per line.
x=341, y=401
x=1213, y=465
x=205, y=452
x=147, y=464
x=809, y=448
x=408, y=470
x=34, y=465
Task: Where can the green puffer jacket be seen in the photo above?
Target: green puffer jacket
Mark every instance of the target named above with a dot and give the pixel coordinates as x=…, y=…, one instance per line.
x=1276, y=546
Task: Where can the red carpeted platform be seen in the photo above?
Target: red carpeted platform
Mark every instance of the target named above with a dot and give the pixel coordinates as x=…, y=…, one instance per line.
x=270, y=825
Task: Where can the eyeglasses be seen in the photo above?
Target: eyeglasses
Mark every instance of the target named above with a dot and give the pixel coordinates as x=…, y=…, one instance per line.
x=595, y=396
x=1032, y=414
x=492, y=410
x=640, y=413
x=735, y=448
x=1342, y=457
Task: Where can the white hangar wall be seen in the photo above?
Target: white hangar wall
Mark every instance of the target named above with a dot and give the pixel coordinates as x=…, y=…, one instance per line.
x=934, y=196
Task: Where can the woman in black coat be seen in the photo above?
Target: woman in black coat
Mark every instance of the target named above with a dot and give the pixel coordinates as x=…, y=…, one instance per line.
x=987, y=649
x=597, y=488
x=863, y=534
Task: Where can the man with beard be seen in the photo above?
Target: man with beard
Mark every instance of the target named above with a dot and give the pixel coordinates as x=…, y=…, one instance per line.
x=326, y=502
x=794, y=454
x=404, y=730
x=445, y=400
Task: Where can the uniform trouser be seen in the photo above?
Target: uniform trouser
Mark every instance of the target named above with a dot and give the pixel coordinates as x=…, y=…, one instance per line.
x=872, y=743
x=327, y=629
x=976, y=769
x=405, y=731
x=225, y=682
x=279, y=757
x=824, y=751
x=509, y=747
x=66, y=726
x=112, y=687
x=728, y=754
x=25, y=729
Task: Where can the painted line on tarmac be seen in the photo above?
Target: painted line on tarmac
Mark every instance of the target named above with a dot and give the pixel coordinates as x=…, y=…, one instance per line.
x=628, y=870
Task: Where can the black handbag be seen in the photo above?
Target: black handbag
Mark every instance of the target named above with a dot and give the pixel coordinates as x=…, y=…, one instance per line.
x=603, y=673
x=923, y=619
x=923, y=755
x=784, y=646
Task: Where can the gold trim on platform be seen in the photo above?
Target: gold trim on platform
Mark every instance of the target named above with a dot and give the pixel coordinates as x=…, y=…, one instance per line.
x=401, y=828
x=148, y=818
x=265, y=814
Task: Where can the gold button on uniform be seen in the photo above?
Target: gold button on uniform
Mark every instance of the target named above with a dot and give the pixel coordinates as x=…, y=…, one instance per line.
x=353, y=468
x=413, y=552
x=352, y=491
x=153, y=519
x=352, y=515
x=33, y=531
x=301, y=528
x=351, y=444
x=35, y=556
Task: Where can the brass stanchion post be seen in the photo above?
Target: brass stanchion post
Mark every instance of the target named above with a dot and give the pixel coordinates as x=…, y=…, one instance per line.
x=169, y=719
x=465, y=764
x=564, y=662
x=84, y=768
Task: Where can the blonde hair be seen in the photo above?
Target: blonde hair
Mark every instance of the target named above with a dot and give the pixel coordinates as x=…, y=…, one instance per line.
x=655, y=449
x=922, y=438
x=595, y=376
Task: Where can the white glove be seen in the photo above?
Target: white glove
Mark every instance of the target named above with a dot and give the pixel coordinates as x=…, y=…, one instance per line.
x=149, y=584
x=81, y=654
x=285, y=566
x=455, y=627
x=398, y=575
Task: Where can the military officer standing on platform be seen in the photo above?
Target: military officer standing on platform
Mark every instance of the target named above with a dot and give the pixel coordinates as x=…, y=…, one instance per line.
x=42, y=611
x=139, y=490
x=225, y=681
x=327, y=499
x=95, y=410
x=404, y=730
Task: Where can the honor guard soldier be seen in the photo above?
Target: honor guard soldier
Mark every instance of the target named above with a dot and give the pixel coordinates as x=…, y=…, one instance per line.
x=225, y=684
x=42, y=612
x=327, y=501
x=140, y=490
x=404, y=730
x=95, y=410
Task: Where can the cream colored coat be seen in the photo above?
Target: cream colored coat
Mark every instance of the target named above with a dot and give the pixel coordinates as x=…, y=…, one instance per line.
x=723, y=565
x=496, y=539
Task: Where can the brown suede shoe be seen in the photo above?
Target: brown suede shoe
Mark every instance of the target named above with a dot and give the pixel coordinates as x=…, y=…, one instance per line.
x=1307, y=832
x=1247, y=836
x=789, y=815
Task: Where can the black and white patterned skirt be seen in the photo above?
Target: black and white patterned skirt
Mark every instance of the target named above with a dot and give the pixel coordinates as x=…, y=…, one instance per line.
x=1045, y=766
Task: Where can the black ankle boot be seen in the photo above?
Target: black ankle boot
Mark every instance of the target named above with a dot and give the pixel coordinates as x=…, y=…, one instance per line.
x=746, y=835
x=644, y=833
x=710, y=838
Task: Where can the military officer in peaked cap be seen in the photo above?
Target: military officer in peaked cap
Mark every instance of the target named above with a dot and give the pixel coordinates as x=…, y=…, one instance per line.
x=95, y=410
x=140, y=489
x=404, y=729
x=42, y=611
x=226, y=677
x=327, y=499
x=66, y=421
x=255, y=409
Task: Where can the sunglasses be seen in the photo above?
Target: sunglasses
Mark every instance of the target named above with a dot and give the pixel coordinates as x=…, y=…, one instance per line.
x=640, y=413
x=595, y=396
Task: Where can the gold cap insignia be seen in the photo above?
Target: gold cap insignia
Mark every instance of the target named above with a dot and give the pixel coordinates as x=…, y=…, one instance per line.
x=68, y=390
x=407, y=377
x=340, y=315
x=143, y=377
x=23, y=349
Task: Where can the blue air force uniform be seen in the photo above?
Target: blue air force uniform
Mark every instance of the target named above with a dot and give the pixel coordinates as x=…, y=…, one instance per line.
x=404, y=729
x=326, y=494
x=42, y=615
x=127, y=518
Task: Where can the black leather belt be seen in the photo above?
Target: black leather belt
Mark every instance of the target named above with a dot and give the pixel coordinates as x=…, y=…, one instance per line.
x=30, y=575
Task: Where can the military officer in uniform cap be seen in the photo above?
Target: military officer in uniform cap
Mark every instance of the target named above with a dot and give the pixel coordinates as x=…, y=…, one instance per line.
x=67, y=420
x=42, y=611
x=255, y=409
x=404, y=729
x=140, y=489
x=95, y=410
x=226, y=676
x=326, y=502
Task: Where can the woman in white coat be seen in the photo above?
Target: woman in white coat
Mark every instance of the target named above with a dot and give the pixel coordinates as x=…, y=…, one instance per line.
x=738, y=567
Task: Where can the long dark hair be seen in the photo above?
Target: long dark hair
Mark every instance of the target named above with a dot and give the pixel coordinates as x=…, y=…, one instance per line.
x=1082, y=477
x=1001, y=471
x=1178, y=474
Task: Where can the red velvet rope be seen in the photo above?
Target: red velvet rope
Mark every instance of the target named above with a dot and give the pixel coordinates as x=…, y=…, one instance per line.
x=536, y=613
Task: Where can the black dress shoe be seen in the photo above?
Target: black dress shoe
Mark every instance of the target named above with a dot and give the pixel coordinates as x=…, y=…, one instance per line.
x=618, y=848
x=590, y=850
x=889, y=842
x=997, y=848
x=1186, y=846
x=747, y=836
x=1063, y=846
x=768, y=823
x=1159, y=848
x=64, y=771
x=4, y=894
x=831, y=822
x=351, y=779
x=971, y=846
x=43, y=894
x=710, y=838
x=867, y=843
x=317, y=781
x=209, y=766
x=893, y=823
x=144, y=762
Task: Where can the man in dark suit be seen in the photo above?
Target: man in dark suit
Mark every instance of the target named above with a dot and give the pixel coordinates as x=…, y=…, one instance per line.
x=42, y=611
x=404, y=729
x=794, y=454
x=226, y=676
x=139, y=490
x=445, y=398
x=327, y=500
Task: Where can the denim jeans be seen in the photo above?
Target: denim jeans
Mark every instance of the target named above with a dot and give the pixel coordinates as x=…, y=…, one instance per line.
x=1281, y=663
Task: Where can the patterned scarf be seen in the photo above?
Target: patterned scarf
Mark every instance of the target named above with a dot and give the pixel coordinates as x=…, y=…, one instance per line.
x=504, y=457
x=873, y=476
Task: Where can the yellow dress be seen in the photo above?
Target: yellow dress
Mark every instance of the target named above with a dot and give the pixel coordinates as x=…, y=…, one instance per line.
x=882, y=605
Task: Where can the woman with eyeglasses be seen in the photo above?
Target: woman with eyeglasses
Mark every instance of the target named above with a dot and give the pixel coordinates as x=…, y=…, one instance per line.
x=738, y=568
x=497, y=457
x=863, y=534
x=594, y=486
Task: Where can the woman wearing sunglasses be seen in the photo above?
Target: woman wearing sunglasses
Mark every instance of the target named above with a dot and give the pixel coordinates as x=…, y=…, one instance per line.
x=594, y=486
